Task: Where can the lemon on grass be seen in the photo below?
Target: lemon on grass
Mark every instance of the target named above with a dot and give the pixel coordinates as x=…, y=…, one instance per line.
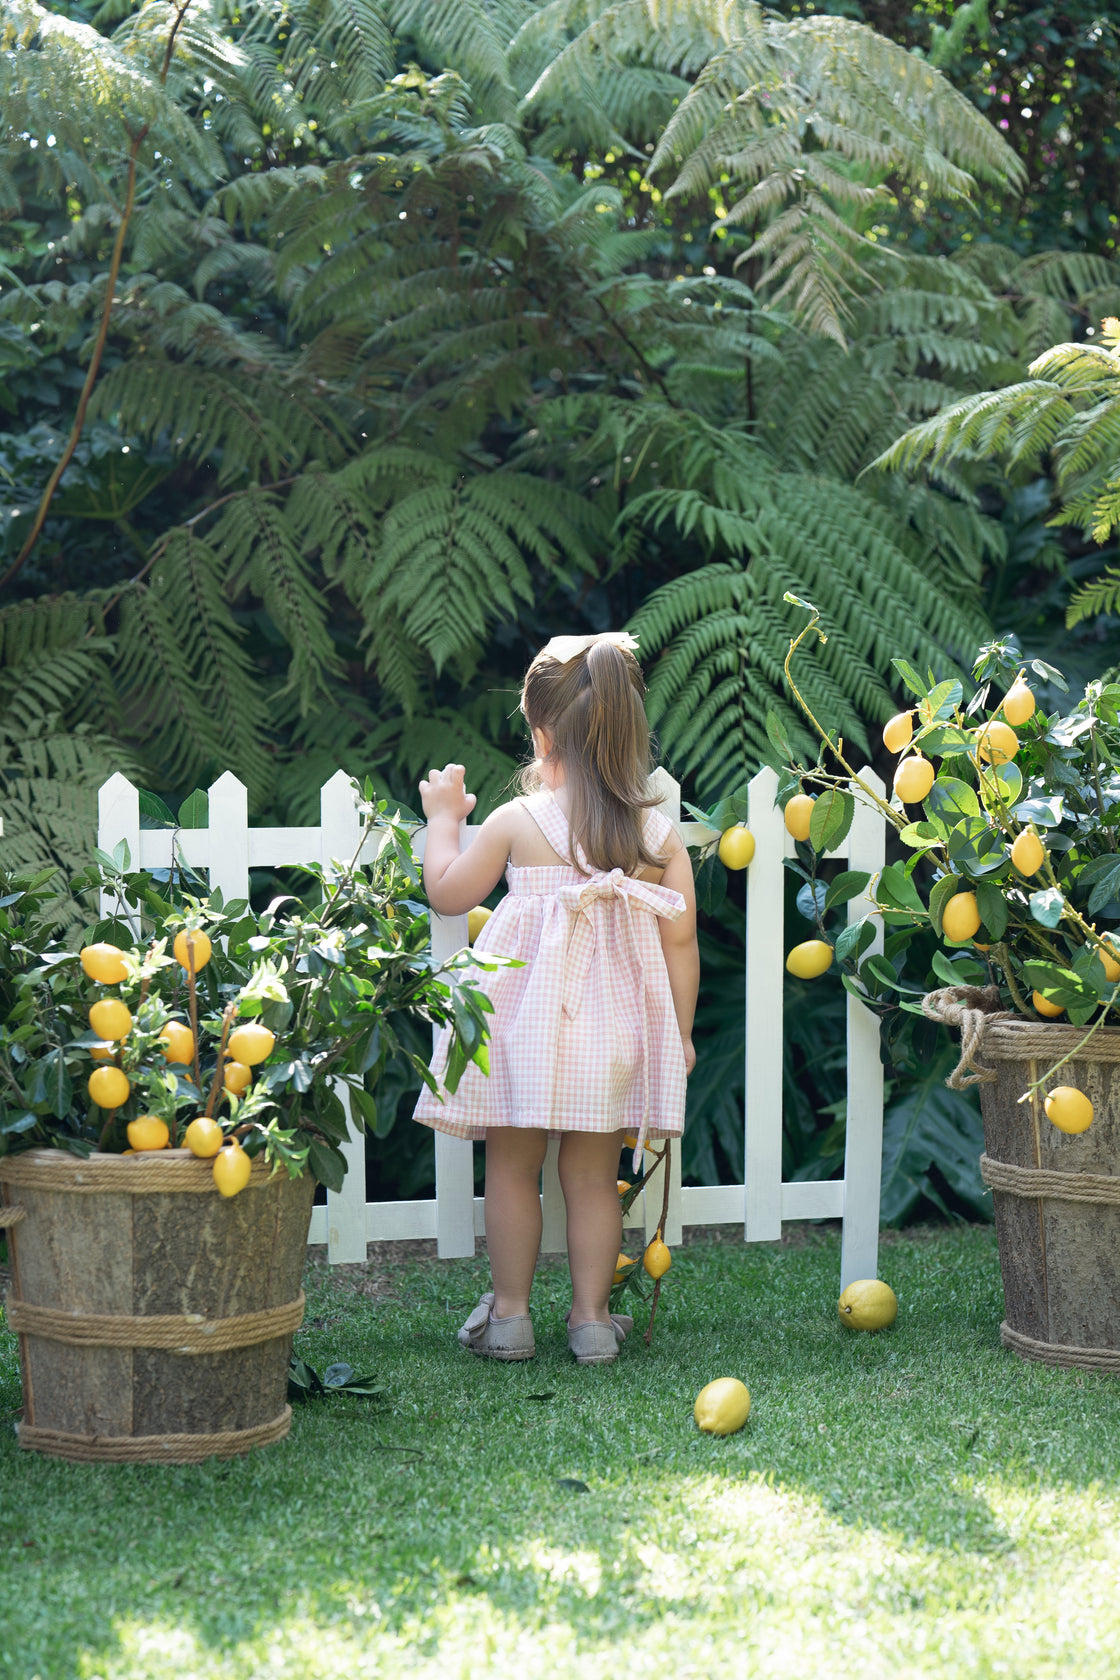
x=1043, y=1006
x=997, y=743
x=476, y=921
x=104, y=963
x=251, y=1043
x=960, y=919
x=1018, y=703
x=192, y=949
x=110, y=1018
x=1028, y=854
x=868, y=1304
x=913, y=779
x=899, y=732
x=657, y=1258
x=621, y=1267
x=1069, y=1109
x=811, y=959
x=148, y=1131
x=736, y=847
x=204, y=1137
x=232, y=1169
x=108, y=1087
x=799, y=815
x=722, y=1407
x=178, y=1043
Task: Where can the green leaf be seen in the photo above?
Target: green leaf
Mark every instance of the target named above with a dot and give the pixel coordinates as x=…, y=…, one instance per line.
x=194, y=812
x=1047, y=906
x=1044, y=813
x=831, y=819
x=931, y=1126
x=898, y=890
x=950, y=799
x=910, y=677
x=711, y=884
x=957, y=971
x=327, y=1165
x=940, y=702
x=853, y=941
x=845, y=887
x=776, y=731
x=153, y=808
x=1059, y=985
x=992, y=905
x=920, y=836
x=1049, y=674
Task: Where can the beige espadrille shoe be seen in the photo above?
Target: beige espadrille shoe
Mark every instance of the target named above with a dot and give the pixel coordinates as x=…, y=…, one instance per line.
x=597, y=1344
x=497, y=1338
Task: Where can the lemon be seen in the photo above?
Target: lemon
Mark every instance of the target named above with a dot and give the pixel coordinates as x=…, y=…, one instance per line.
x=621, y=1266
x=960, y=918
x=1028, y=853
x=236, y=1077
x=810, y=960
x=204, y=1137
x=657, y=1258
x=476, y=921
x=736, y=847
x=1043, y=1006
x=250, y=1044
x=623, y=1186
x=1069, y=1109
x=1108, y=963
x=1018, y=703
x=178, y=1043
x=99, y=1054
x=723, y=1406
x=997, y=743
x=108, y=1087
x=899, y=732
x=111, y=1018
x=799, y=814
x=868, y=1305
x=148, y=1131
x=631, y=1140
x=104, y=963
x=192, y=949
x=232, y=1169
x=913, y=779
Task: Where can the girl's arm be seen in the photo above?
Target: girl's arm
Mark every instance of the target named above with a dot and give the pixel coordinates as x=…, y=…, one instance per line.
x=455, y=882
x=682, y=954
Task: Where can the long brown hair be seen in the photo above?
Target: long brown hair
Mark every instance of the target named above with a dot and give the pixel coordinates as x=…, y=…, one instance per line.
x=592, y=706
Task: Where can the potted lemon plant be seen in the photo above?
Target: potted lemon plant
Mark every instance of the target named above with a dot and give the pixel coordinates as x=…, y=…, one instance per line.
x=1007, y=814
x=169, y=1096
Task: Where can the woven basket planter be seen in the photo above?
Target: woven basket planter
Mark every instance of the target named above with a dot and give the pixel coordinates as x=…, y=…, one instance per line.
x=1056, y=1197
x=155, y=1317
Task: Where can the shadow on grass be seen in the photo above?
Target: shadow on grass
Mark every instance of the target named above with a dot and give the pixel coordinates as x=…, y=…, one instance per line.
x=549, y=1494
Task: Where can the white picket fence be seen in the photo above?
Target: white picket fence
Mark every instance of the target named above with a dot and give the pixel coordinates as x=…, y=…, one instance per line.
x=227, y=849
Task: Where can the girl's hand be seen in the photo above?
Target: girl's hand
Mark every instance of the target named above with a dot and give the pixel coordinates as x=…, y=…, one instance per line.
x=443, y=794
x=689, y=1056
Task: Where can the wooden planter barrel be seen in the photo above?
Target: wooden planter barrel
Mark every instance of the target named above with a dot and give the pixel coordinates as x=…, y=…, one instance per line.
x=1056, y=1197
x=155, y=1317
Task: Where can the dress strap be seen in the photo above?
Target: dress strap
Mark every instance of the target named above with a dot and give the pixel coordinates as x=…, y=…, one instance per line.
x=551, y=821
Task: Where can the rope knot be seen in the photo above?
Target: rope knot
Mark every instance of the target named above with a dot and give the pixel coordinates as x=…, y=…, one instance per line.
x=972, y=1009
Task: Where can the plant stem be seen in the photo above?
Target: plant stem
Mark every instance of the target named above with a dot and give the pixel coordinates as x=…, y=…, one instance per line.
x=228, y=1014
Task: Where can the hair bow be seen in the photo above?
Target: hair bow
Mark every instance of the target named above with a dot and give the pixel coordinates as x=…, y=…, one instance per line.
x=564, y=648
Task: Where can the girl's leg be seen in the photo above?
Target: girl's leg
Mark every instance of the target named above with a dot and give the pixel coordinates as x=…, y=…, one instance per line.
x=514, y=1157
x=589, y=1179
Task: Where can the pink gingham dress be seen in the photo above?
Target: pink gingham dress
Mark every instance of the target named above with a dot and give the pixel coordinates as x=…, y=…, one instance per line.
x=584, y=1037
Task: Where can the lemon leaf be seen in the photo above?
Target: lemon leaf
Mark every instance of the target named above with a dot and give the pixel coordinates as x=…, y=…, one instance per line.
x=1047, y=907
x=831, y=819
x=993, y=909
x=845, y=887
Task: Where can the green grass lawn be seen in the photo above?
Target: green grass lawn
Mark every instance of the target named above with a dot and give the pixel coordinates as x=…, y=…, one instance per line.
x=914, y=1503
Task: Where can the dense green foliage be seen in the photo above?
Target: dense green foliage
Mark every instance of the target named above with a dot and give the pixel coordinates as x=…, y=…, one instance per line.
x=438, y=329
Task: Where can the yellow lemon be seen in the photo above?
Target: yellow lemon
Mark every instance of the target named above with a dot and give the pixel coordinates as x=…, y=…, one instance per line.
x=1043, y=1006
x=236, y=1077
x=476, y=921
x=1018, y=703
x=631, y=1140
x=108, y=1087
x=868, y=1305
x=736, y=847
x=111, y=1018
x=810, y=960
x=178, y=1043
x=623, y=1186
x=960, y=918
x=621, y=1266
x=192, y=949
x=231, y=1169
x=148, y=1131
x=997, y=743
x=100, y=1055
x=1108, y=962
x=104, y=963
x=913, y=779
x=1028, y=853
x=899, y=732
x=251, y=1043
x=1069, y=1109
x=722, y=1407
x=799, y=814
x=204, y=1137
x=657, y=1258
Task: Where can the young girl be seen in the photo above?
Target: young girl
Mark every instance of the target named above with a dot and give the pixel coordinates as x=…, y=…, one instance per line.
x=591, y=1038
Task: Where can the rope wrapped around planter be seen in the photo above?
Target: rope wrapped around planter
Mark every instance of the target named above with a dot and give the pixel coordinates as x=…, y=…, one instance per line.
x=153, y=1449
x=174, y=1170
x=1100, y=1188
x=174, y=1332
x=1005, y=1036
